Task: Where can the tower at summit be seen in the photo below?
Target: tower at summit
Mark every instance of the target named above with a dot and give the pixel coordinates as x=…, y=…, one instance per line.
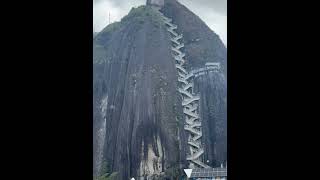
x=156, y=3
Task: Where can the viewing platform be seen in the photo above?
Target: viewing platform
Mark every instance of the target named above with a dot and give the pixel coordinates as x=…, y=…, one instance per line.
x=209, y=67
x=209, y=173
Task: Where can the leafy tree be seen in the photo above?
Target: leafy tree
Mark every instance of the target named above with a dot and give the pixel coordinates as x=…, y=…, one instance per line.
x=107, y=176
x=105, y=173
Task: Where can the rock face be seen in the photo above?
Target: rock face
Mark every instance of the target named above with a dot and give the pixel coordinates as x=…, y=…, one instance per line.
x=138, y=119
x=201, y=46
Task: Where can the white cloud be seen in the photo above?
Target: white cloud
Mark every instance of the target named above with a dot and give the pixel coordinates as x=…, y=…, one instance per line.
x=216, y=20
x=101, y=12
x=218, y=23
x=102, y=8
x=213, y=13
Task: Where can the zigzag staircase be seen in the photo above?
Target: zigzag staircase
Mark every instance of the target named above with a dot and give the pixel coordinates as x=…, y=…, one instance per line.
x=190, y=101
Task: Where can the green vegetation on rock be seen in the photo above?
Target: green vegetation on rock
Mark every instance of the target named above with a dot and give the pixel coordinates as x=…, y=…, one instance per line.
x=111, y=27
x=141, y=14
x=100, y=54
x=105, y=174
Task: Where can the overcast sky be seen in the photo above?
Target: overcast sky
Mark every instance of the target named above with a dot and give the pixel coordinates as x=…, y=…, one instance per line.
x=212, y=12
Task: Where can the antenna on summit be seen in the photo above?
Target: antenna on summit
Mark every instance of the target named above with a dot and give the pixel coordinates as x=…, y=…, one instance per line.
x=109, y=17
